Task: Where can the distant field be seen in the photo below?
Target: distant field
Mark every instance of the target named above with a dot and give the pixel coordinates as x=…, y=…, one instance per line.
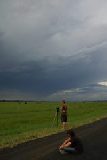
x=20, y=122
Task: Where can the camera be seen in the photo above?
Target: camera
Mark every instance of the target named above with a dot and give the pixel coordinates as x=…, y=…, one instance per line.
x=57, y=109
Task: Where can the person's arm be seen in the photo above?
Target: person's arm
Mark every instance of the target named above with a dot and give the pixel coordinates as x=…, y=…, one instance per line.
x=65, y=143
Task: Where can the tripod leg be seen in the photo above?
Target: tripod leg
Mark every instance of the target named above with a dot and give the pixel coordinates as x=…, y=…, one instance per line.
x=57, y=118
x=54, y=119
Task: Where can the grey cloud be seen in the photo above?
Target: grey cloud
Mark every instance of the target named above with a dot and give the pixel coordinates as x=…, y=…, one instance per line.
x=92, y=92
x=48, y=46
x=45, y=78
x=48, y=28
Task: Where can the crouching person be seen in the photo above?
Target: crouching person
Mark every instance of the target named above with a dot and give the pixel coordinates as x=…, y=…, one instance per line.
x=72, y=144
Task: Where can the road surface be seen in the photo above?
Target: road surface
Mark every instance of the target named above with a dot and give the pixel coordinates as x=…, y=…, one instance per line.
x=93, y=136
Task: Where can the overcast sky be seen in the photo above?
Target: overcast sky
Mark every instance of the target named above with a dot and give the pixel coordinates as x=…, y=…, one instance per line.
x=53, y=50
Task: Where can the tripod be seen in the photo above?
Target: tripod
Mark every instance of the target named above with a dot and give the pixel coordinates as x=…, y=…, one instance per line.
x=56, y=117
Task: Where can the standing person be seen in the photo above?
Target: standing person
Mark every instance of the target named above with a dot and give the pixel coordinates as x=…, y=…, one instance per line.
x=64, y=114
x=72, y=144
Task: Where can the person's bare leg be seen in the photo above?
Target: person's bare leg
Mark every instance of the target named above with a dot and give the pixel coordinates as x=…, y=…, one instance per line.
x=64, y=125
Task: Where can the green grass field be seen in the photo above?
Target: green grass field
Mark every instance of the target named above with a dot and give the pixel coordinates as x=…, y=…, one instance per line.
x=20, y=122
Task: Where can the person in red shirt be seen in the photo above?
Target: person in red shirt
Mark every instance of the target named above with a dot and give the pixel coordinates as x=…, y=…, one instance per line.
x=64, y=114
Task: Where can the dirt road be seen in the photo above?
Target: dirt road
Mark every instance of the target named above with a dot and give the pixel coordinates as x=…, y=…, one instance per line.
x=93, y=136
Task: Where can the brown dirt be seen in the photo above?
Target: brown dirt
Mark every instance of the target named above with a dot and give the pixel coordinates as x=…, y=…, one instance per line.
x=93, y=136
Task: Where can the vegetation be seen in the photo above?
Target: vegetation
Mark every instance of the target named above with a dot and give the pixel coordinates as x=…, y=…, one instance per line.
x=20, y=122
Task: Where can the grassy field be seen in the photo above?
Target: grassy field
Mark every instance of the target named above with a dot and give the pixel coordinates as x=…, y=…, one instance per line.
x=20, y=122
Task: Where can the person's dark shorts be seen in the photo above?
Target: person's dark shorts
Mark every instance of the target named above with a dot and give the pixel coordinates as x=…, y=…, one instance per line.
x=63, y=118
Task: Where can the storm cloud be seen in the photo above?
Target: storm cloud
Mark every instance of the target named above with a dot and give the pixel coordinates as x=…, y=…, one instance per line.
x=49, y=48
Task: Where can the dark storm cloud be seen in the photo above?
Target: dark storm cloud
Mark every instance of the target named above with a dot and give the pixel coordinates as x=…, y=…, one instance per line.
x=44, y=78
x=47, y=46
x=22, y=77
